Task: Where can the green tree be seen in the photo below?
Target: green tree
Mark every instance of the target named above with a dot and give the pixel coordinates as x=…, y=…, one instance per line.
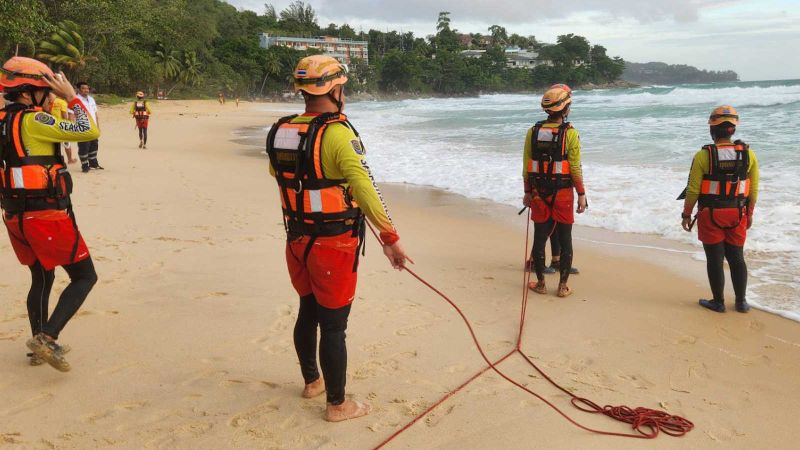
x=22, y=23
x=168, y=62
x=190, y=73
x=499, y=35
x=65, y=49
x=299, y=18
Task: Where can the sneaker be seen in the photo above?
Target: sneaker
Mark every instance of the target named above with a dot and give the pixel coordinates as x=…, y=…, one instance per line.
x=742, y=306
x=97, y=166
x=49, y=351
x=714, y=305
x=35, y=360
x=141, y=144
x=84, y=168
x=554, y=268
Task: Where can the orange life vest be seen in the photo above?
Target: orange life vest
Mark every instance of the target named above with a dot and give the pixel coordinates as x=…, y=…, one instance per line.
x=313, y=204
x=29, y=183
x=548, y=168
x=140, y=111
x=726, y=184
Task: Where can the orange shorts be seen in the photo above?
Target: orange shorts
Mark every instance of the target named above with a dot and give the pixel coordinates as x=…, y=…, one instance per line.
x=562, y=210
x=329, y=271
x=710, y=233
x=48, y=237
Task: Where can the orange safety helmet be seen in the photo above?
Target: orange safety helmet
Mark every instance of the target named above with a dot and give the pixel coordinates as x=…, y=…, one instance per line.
x=21, y=71
x=555, y=99
x=724, y=114
x=140, y=94
x=319, y=74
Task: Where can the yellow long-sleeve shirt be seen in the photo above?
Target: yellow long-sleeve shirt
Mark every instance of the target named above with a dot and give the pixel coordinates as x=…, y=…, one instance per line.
x=701, y=166
x=41, y=130
x=344, y=157
x=573, y=144
x=146, y=107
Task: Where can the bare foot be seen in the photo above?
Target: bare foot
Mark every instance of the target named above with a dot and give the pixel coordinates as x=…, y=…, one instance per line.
x=537, y=287
x=314, y=388
x=350, y=409
x=564, y=290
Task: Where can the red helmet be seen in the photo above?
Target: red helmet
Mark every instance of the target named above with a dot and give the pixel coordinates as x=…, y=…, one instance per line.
x=20, y=71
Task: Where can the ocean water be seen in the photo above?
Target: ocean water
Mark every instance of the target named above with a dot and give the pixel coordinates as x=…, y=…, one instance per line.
x=637, y=148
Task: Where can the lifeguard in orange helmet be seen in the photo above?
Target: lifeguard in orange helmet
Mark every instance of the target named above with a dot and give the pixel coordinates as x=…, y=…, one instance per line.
x=551, y=171
x=326, y=191
x=35, y=188
x=723, y=179
x=140, y=111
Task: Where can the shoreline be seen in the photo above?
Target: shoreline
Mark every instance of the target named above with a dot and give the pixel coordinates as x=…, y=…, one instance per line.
x=646, y=247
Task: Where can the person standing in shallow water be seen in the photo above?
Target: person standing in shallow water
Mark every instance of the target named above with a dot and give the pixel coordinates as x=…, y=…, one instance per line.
x=723, y=179
x=326, y=190
x=551, y=170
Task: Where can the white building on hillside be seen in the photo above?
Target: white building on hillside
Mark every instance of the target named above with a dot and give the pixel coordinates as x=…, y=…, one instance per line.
x=344, y=50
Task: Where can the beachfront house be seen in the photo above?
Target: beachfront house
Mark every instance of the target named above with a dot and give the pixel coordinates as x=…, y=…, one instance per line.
x=515, y=57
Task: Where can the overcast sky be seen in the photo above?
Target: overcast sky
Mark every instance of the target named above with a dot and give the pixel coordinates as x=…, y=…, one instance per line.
x=759, y=39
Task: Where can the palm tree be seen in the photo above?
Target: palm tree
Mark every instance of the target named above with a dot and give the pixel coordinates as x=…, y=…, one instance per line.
x=190, y=75
x=272, y=67
x=168, y=62
x=65, y=48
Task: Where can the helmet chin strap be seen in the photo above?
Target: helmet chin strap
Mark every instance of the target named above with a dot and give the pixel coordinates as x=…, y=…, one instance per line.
x=44, y=97
x=338, y=101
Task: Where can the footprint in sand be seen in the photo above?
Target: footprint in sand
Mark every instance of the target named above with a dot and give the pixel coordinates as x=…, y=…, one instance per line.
x=436, y=416
x=637, y=381
x=251, y=385
x=175, y=436
x=256, y=414
x=31, y=403
x=411, y=330
x=10, y=335
x=11, y=438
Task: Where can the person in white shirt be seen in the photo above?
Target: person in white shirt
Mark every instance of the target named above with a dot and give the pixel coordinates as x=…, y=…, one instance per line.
x=87, y=151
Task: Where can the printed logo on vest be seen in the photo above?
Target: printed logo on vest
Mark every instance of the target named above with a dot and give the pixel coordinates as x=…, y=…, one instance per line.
x=45, y=118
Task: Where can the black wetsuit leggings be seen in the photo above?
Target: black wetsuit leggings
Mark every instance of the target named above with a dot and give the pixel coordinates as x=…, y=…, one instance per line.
x=541, y=233
x=82, y=278
x=332, y=348
x=143, y=134
x=716, y=273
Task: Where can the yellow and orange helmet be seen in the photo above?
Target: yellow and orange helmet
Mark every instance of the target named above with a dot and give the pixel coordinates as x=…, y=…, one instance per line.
x=724, y=114
x=555, y=99
x=319, y=74
x=21, y=71
x=140, y=94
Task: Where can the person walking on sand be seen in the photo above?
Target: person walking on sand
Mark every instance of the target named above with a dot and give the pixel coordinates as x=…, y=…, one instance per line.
x=87, y=151
x=551, y=170
x=723, y=179
x=58, y=108
x=35, y=189
x=140, y=111
x=326, y=190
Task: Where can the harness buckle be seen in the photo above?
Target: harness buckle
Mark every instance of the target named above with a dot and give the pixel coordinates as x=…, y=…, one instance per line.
x=300, y=186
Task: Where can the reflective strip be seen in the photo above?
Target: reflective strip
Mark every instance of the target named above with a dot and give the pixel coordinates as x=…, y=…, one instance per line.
x=287, y=138
x=315, y=198
x=713, y=187
x=548, y=134
x=558, y=168
x=743, y=187
x=726, y=154
x=17, y=179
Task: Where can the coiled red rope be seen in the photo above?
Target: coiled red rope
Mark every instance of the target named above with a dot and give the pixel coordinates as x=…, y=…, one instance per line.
x=645, y=421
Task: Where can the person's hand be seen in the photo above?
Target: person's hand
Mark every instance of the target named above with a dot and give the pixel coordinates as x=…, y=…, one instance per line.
x=582, y=203
x=526, y=199
x=60, y=86
x=686, y=223
x=749, y=221
x=397, y=256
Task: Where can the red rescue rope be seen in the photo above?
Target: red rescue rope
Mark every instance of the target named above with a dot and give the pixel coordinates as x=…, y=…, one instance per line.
x=646, y=422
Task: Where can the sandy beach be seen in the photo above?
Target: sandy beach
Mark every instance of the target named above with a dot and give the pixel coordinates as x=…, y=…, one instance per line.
x=186, y=341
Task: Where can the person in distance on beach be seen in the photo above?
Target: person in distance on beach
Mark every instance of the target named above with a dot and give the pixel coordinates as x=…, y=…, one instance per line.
x=58, y=108
x=35, y=189
x=551, y=170
x=140, y=111
x=87, y=151
x=326, y=190
x=723, y=179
